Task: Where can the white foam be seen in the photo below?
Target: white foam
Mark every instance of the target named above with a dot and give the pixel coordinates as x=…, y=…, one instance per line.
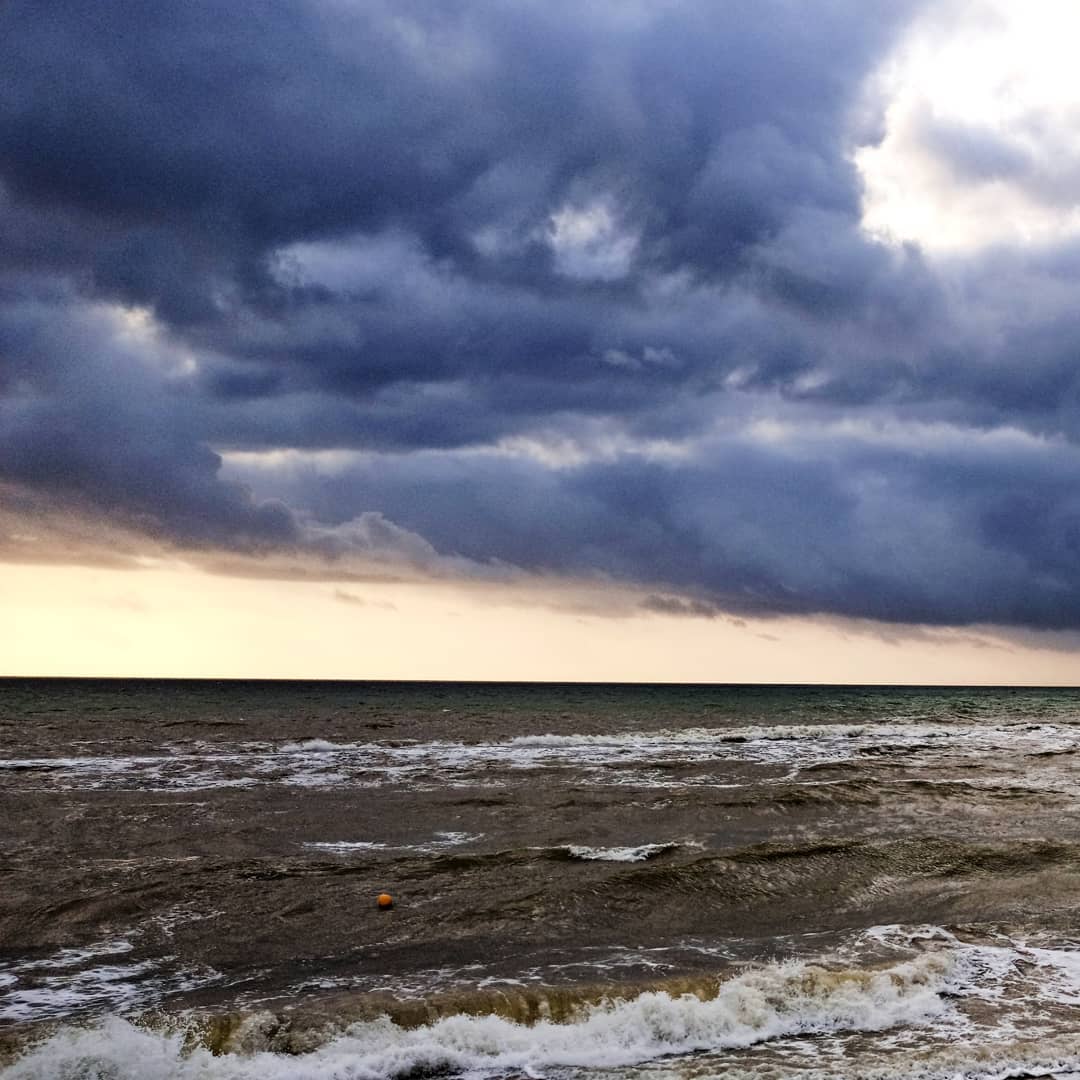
x=69, y=958
x=452, y=839
x=619, y=854
x=314, y=746
x=1061, y=971
x=70, y=981
x=638, y=758
x=316, y=780
x=441, y=841
x=344, y=847
x=117, y=987
x=181, y=915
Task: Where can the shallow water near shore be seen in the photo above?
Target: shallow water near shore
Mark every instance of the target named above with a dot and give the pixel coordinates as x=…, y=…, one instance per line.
x=616, y=880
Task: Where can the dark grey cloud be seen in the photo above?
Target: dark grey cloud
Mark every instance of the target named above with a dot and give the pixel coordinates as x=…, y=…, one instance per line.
x=913, y=525
x=87, y=415
x=679, y=605
x=343, y=596
x=524, y=285
x=196, y=139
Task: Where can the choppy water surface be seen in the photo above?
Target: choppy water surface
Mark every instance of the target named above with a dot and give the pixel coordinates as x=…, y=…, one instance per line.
x=589, y=881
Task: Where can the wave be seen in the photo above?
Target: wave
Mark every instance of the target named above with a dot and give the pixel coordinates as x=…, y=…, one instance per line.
x=888, y=1002
x=345, y=847
x=314, y=746
x=802, y=869
x=620, y=854
x=628, y=757
x=761, y=1004
x=439, y=843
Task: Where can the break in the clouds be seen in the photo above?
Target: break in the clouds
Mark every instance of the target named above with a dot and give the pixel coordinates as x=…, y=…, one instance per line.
x=602, y=291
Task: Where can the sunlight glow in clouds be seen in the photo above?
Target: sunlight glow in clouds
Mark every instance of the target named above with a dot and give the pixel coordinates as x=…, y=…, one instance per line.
x=588, y=245
x=982, y=142
x=139, y=333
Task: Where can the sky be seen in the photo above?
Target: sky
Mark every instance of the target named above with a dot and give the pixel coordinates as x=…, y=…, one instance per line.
x=665, y=340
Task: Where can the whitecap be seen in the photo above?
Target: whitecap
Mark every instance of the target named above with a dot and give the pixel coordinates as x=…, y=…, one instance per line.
x=619, y=854
x=313, y=746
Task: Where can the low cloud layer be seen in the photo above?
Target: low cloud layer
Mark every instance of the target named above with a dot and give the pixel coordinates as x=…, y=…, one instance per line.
x=499, y=289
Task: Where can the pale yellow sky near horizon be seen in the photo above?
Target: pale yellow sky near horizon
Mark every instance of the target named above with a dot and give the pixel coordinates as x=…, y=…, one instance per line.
x=180, y=621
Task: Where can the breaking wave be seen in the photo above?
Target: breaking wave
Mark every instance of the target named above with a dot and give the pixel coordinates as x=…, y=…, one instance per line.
x=990, y=1010
x=760, y=1004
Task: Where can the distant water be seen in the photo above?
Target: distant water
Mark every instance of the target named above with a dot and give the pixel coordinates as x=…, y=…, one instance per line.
x=589, y=881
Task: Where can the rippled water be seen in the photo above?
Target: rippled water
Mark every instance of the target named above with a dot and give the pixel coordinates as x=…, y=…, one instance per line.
x=690, y=881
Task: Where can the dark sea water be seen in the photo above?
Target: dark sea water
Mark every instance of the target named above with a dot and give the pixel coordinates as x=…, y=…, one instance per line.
x=588, y=881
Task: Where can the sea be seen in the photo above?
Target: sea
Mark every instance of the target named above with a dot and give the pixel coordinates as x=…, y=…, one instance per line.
x=587, y=881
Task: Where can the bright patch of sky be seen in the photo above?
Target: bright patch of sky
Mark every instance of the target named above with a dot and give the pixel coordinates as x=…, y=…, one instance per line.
x=982, y=140
x=588, y=243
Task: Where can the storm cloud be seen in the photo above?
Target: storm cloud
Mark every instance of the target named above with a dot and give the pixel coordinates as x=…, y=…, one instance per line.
x=526, y=286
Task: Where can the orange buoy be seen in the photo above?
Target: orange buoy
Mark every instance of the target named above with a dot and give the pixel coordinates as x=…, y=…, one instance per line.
x=385, y=900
